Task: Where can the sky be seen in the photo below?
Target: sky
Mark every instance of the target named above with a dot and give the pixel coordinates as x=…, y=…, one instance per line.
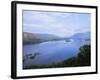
x=62, y=24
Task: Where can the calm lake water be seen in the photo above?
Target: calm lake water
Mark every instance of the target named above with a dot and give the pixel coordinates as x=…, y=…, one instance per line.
x=52, y=51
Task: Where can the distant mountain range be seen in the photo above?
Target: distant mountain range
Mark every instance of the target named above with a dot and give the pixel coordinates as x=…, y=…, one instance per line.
x=29, y=38
x=85, y=35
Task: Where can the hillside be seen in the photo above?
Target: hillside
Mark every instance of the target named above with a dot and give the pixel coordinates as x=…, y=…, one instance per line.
x=84, y=36
x=29, y=38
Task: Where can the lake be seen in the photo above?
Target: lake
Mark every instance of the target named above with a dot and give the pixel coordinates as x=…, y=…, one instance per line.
x=52, y=51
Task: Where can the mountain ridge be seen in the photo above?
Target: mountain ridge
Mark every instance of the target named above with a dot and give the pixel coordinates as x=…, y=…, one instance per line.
x=29, y=38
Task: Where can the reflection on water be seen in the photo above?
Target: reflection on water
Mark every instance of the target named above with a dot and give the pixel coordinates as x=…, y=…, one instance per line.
x=50, y=52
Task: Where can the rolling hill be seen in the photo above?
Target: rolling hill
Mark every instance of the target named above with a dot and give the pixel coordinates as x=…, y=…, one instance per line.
x=84, y=36
x=29, y=38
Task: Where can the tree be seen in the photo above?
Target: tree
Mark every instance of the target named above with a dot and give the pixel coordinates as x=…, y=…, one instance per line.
x=84, y=56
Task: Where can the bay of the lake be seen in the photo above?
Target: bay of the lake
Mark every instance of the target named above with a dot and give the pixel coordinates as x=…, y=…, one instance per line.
x=52, y=51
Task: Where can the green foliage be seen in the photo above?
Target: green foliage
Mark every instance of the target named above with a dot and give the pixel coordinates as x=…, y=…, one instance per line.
x=70, y=62
x=84, y=57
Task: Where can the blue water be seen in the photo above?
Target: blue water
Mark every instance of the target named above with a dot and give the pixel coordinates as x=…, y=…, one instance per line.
x=52, y=51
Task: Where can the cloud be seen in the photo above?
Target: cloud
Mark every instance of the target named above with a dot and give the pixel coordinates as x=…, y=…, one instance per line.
x=60, y=24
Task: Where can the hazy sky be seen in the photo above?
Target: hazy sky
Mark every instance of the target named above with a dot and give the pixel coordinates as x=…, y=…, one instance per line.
x=56, y=23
